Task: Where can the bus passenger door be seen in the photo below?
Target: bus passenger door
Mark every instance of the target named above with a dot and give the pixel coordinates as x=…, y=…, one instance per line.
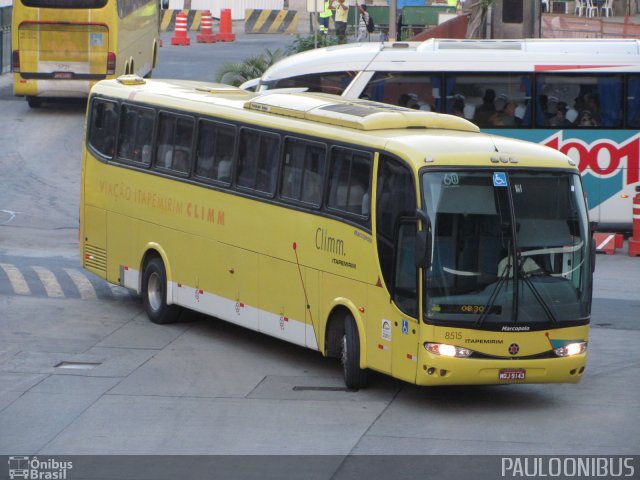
x=404, y=296
x=394, y=301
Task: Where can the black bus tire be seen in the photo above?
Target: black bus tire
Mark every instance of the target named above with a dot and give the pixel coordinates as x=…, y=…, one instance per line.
x=354, y=376
x=154, y=293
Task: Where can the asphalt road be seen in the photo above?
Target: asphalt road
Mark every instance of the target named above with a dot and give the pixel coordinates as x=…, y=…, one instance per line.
x=83, y=372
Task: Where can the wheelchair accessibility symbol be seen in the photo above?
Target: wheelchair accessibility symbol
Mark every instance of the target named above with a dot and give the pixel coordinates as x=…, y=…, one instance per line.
x=499, y=179
x=405, y=327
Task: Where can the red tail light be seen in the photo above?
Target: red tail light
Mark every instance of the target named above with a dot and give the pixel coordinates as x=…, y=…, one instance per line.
x=15, y=61
x=111, y=63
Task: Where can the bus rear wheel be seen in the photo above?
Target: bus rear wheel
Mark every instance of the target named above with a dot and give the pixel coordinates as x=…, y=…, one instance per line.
x=34, y=102
x=354, y=376
x=154, y=293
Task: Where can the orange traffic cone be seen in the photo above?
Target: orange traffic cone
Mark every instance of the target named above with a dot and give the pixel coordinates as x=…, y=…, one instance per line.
x=206, y=28
x=180, y=34
x=225, y=34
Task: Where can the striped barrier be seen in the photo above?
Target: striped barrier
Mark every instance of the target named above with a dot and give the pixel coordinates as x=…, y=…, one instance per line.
x=270, y=21
x=605, y=242
x=168, y=22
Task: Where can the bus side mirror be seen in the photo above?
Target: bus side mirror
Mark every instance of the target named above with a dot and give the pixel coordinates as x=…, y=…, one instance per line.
x=164, y=4
x=423, y=242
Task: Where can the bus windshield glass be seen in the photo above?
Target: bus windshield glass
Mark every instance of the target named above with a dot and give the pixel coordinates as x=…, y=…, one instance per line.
x=509, y=249
x=64, y=3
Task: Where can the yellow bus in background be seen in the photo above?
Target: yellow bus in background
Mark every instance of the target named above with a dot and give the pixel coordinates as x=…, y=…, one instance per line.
x=398, y=241
x=61, y=48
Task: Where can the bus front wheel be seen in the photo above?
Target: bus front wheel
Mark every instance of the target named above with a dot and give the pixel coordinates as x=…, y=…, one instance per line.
x=154, y=293
x=354, y=376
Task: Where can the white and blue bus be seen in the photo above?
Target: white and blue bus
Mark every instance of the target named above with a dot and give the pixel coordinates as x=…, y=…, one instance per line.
x=581, y=97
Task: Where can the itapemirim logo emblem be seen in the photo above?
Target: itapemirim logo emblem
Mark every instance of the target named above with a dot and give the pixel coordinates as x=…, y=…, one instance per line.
x=38, y=469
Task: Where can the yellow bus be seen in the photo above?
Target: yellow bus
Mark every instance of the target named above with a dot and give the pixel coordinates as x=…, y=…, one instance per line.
x=61, y=48
x=398, y=241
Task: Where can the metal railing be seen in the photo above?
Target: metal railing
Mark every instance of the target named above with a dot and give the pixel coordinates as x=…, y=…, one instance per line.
x=558, y=33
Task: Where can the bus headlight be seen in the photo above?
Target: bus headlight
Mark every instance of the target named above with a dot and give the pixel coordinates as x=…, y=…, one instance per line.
x=571, y=349
x=447, y=350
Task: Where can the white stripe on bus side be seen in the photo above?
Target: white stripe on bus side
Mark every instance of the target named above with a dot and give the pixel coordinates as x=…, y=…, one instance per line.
x=233, y=311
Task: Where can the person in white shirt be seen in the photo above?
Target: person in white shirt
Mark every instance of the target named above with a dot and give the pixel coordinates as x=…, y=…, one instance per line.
x=342, y=12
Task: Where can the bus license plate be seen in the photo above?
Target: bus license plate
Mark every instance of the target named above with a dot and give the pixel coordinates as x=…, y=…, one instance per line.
x=63, y=75
x=512, y=374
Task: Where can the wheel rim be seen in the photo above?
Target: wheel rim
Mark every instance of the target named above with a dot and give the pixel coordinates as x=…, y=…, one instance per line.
x=154, y=291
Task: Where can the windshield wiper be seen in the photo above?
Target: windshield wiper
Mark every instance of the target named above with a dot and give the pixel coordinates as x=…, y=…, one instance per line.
x=526, y=278
x=496, y=289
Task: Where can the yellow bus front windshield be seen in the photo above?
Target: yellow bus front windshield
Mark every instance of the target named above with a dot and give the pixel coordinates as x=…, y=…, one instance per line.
x=509, y=251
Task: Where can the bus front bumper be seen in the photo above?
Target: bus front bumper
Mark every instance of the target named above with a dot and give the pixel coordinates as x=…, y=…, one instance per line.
x=439, y=370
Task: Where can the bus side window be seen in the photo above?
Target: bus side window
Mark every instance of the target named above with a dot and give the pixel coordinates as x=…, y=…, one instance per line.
x=492, y=100
x=349, y=182
x=258, y=161
x=583, y=101
x=103, y=127
x=292, y=169
x=633, y=102
x=422, y=88
x=303, y=171
x=225, y=145
x=173, y=150
x=136, y=130
x=395, y=198
x=182, y=149
x=331, y=82
x=214, y=153
x=313, y=175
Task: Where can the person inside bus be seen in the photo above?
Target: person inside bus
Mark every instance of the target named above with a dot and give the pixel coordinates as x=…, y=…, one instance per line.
x=586, y=119
x=551, y=107
x=504, y=117
x=592, y=104
x=486, y=109
x=204, y=164
x=457, y=105
x=560, y=118
x=543, y=105
x=181, y=160
x=409, y=100
x=224, y=170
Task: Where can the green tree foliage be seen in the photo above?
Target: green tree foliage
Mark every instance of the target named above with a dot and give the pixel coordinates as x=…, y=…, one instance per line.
x=236, y=73
x=302, y=44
